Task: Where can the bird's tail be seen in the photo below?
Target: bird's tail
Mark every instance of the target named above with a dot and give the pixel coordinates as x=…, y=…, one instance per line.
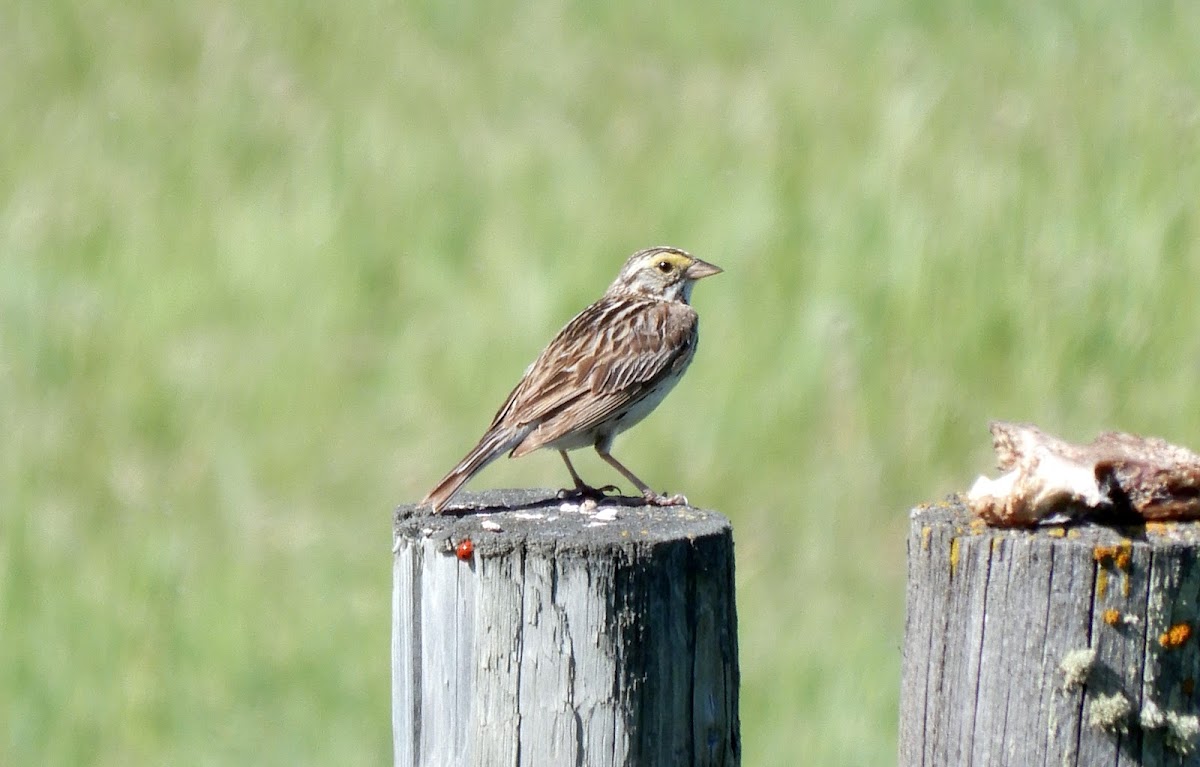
x=494, y=444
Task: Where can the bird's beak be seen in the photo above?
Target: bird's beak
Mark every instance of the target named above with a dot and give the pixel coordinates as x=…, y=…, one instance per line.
x=700, y=269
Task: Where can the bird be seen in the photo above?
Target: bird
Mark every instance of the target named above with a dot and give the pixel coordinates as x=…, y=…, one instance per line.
x=605, y=371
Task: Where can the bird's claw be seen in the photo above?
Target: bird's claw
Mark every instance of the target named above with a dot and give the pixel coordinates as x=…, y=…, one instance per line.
x=661, y=499
x=586, y=492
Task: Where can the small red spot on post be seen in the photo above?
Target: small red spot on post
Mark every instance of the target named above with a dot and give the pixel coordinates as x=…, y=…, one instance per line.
x=464, y=549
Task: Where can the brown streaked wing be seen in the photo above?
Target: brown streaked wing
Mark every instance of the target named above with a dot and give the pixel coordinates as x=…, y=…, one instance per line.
x=651, y=342
x=643, y=343
x=551, y=380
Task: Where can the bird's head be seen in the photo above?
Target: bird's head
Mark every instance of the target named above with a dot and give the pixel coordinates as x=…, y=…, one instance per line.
x=662, y=272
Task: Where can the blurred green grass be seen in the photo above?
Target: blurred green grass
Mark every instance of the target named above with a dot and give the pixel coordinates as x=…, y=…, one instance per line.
x=266, y=270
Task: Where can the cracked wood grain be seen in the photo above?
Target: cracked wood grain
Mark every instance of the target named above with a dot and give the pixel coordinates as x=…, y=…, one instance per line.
x=994, y=616
x=561, y=641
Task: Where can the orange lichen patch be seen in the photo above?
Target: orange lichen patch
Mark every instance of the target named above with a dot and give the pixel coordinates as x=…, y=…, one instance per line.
x=1125, y=556
x=1102, y=583
x=1058, y=532
x=1158, y=528
x=953, y=554
x=1188, y=686
x=1175, y=636
x=1120, y=555
x=1111, y=616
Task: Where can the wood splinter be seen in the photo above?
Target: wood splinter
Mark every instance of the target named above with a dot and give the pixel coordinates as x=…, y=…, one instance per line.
x=1048, y=478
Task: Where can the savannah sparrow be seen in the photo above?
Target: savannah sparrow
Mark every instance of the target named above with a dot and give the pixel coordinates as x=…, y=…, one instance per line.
x=605, y=371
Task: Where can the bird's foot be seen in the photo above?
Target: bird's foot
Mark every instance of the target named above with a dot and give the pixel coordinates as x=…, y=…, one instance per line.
x=587, y=493
x=662, y=499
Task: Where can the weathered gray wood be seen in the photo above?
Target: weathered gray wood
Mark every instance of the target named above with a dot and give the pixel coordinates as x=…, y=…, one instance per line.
x=566, y=638
x=995, y=616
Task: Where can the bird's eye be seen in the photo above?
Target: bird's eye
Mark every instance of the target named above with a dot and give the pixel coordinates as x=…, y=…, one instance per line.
x=663, y=266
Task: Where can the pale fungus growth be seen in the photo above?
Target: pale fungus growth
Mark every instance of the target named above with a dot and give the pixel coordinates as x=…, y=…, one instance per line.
x=1180, y=731
x=1110, y=713
x=1077, y=667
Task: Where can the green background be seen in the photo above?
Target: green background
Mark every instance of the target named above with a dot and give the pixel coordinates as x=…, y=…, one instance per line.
x=267, y=269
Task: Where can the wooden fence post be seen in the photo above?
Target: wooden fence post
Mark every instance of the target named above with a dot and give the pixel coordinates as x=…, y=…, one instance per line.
x=562, y=638
x=1049, y=646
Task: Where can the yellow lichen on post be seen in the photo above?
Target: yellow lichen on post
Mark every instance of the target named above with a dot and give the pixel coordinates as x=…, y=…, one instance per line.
x=1120, y=554
x=1124, y=555
x=926, y=532
x=1111, y=616
x=953, y=554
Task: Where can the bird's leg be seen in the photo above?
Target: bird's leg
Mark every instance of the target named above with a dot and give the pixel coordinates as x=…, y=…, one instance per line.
x=583, y=489
x=647, y=493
